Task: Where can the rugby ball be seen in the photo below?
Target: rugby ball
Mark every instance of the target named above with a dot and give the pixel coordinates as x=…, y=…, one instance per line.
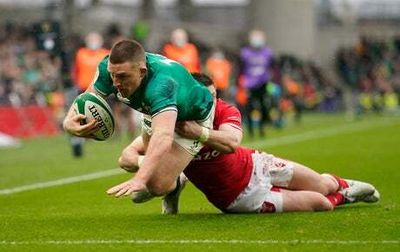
x=94, y=107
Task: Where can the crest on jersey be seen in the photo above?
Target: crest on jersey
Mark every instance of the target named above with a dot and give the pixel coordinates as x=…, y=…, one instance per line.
x=145, y=108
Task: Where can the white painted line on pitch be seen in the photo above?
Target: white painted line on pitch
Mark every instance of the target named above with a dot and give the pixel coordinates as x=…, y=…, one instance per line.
x=316, y=134
x=284, y=140
x=63, y=181
x=293, y=242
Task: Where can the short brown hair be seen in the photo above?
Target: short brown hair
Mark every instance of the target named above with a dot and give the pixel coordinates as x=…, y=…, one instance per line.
x=126, y=50
x=203, y=79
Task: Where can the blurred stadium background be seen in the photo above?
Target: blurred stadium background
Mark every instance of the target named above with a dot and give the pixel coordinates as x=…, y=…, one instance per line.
x=335, y=71
x=329, y=56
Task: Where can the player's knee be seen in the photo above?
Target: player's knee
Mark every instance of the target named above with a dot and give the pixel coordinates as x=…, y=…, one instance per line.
x=325, y=187
x=329, y=182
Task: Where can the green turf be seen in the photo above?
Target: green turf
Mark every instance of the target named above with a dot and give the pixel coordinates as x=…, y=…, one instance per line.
x=83, y=212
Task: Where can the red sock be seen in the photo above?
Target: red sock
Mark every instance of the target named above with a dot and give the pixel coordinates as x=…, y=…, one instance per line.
x=335, y=198
x=342, y=183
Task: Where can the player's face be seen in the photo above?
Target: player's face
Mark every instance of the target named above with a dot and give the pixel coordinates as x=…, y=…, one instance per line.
x=126, y=77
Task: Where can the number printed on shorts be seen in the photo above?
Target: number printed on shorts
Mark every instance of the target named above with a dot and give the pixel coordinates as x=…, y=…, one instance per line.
x=207, y=155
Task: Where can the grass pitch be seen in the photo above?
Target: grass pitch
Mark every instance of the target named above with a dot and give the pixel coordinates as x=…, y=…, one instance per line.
x=80, y=216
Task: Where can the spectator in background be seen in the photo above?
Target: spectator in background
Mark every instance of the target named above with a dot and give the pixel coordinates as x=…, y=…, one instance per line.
x=85, y=66
x=219, y=69
x=369, y=70
x=86, y=60
x=395, y=78
x=140, y=31
x=255, y=65
x=241, y=97
x=4, y=99
x=180, y=50
x=293, y=95
x=347, y=68
x=28, y=75
x=113, y=34
x=71, y=44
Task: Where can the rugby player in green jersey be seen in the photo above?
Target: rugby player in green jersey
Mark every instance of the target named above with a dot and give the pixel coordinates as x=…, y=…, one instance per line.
x=165, y=92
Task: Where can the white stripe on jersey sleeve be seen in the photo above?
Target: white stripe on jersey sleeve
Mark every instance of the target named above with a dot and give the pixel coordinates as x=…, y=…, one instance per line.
x=170, y=108
x=233, y=125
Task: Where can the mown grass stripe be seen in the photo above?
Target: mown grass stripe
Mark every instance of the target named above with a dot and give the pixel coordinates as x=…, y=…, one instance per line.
x=99, y=242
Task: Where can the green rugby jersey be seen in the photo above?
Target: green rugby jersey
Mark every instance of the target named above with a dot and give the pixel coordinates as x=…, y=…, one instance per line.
x=167, y=85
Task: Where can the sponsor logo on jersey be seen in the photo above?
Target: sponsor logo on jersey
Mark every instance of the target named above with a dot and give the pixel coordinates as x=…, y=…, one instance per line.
x=194, y=146
x=147, y=122
x=145, y=108
x=280, y=164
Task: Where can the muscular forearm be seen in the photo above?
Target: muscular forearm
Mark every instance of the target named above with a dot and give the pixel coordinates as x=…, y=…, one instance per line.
x=222, y=141
x=160, y=143
x=68, y=117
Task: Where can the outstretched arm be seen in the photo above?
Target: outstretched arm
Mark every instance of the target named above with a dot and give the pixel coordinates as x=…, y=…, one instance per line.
x=160, y=143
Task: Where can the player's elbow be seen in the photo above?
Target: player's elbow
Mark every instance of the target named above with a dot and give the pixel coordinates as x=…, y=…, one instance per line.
x=122, y=162
x=126, y=162
x=228, y=149
x=65, y=123
x=235, y=143
x=232, y=145
x=125, y=165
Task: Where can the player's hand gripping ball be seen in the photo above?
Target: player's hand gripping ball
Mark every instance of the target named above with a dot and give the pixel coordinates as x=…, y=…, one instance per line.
x=96, y=108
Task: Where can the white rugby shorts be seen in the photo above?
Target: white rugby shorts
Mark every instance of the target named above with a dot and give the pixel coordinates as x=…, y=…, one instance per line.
x=260, y=196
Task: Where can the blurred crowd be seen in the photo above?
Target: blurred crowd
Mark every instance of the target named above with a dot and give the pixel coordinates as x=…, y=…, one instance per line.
x=39, y=66
x=266, y=87
x=371, y=70
x=27, y=75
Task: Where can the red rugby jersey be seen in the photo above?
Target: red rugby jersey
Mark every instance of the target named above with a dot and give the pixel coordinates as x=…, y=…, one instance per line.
x=222, y=177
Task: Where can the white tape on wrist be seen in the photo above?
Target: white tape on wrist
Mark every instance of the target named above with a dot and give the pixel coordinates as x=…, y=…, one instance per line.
x=140, y=160
x=205, y=134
